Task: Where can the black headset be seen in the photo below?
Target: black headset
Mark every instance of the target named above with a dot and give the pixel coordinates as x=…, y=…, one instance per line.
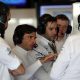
x=3, y=19
x=78, y=22
x=69, y=29
x=20, y=31
x=17, y=38
x=64, y=17
x=43, y=22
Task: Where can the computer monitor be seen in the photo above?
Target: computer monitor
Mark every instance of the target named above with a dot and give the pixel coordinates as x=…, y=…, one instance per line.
x=54, y=10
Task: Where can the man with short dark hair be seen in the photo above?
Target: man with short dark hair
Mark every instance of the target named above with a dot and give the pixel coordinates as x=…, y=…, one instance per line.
x=46, y=33
x=24, y=39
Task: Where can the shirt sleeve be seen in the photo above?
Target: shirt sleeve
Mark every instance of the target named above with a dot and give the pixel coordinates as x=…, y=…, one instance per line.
x=31, y=70
x=61, y=63
x=8, y=58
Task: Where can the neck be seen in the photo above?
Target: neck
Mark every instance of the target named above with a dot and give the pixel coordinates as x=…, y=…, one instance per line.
x=22, y=47
x=46, y=37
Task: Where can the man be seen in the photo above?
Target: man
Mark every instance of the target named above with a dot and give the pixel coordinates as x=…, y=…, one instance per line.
x=64, y=29
x=9, y=63
x=25, y=39
x=66, y=67
x=46, y=33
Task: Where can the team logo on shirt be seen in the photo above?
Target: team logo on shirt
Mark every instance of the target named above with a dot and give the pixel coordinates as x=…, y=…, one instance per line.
x=9, y=50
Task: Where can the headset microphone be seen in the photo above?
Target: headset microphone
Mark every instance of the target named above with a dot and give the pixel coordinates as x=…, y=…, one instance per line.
x=57, y=29
x=35, y=45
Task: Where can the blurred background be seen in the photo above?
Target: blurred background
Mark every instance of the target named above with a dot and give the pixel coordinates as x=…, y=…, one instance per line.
x=28, y=12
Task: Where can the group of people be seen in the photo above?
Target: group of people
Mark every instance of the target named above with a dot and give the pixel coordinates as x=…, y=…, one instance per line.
x=42, y=53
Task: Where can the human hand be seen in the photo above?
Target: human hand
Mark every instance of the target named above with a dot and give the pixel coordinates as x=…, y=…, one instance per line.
x=49, y=57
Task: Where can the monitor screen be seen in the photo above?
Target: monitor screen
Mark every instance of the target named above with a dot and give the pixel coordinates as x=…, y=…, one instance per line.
x=54, y=10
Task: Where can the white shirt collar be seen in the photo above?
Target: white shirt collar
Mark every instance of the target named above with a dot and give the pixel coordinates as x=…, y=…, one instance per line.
x=21, y=49
x=43, y=39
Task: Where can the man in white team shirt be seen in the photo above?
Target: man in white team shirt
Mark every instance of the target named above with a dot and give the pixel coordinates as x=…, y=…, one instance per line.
x=24, y=39
x=67, y=65
x=9, y=63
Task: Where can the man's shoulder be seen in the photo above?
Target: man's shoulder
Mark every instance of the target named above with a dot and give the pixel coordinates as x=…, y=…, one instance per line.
x=3, y=43
x=74, y=36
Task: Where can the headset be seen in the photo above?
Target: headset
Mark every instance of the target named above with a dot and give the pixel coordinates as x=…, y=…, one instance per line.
x=4, y=11
x=78, y=22
x=43, y=20
x=3, y=19
x=20, y=31
x=17, y=38
x=69, y=29
x=64, y=17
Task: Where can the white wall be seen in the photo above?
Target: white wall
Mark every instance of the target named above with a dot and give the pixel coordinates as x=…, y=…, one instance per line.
x=19, y=16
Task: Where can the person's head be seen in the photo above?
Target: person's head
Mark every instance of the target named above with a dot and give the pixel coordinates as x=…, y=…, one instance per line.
x=4, y=14
x=63, y=25
x=47, y=26
x=25, y=36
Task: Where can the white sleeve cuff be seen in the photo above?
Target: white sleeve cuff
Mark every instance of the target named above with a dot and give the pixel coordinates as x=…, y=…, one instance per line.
x=15, y=63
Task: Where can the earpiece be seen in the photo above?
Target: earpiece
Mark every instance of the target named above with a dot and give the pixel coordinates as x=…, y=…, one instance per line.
x=43, y=22
x=65, y=18
x=3, y=19
x=78, y=22
x=17, y=39
x=41, y=26
x=36, y=45
x=69, y=29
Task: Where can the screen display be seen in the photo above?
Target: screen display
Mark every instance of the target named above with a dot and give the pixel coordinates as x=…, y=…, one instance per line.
x=54, y=10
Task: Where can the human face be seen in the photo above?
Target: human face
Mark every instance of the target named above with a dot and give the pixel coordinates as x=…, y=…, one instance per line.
x=62, y=24
x=29, y=40
x=50, y=32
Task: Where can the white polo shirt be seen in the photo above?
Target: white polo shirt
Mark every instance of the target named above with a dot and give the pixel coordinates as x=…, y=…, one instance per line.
x=67, y=65
x=8, y=61
x=29, y=62
x=44, y=42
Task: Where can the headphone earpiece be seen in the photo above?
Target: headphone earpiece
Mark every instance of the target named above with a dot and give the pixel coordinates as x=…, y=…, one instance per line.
x=3, y=19
x=41, y=27
x=69, y=29
x=17, y=39
x=43, y=22
x=78, y=19
x=36, y=45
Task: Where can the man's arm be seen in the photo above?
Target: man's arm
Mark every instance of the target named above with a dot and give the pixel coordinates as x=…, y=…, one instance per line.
x=11, y=61
x=20, y=70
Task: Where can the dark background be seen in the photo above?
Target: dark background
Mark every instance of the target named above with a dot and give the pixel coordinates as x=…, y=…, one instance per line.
x=32, y=3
